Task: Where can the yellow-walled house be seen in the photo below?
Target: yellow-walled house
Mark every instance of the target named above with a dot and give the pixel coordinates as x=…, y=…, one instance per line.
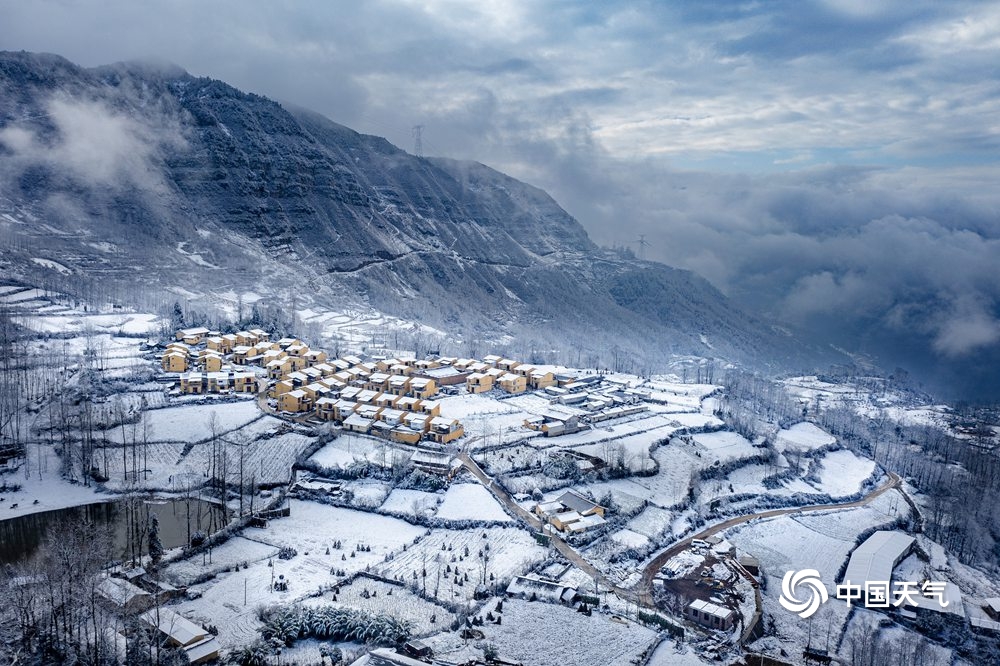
x=174, y=361
x=262, y=335
x=512, y=383
x=405, y=403
x=492, y=360
x=422, y=388
x=525, y=370
x=401, y=369
x=399, y=384
x=343, y=408
x=315, y=356
x=246, y=338
x=241, y=353
x=294, y=401
x=192, y=336
x=297, y=350
x=427, y=364
x=245, y=382
x=282, y=387
x=216, y=343
x=541, y=379
x=211, y=363
x=444, y=430
x=507, y=364
x=285, y=343
x=191, y=382
x=377, y=381
x=419, y=422
x=324, y=408
x=430, y=407
x=405, y=435
x=477, y=382
x=325, y=369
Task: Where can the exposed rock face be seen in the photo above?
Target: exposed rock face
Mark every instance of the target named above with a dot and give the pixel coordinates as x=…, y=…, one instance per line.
x=213, y=186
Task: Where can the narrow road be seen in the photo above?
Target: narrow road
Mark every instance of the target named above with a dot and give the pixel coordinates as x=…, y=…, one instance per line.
x=642, y=592
x=535, y=523
x=645, y=585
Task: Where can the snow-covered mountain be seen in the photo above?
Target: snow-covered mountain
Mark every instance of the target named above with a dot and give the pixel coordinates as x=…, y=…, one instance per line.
x=147, y=178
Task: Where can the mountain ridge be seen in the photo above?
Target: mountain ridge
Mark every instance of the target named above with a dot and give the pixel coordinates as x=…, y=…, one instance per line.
x=240, y=191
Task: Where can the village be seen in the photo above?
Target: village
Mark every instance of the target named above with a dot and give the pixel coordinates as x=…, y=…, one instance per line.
x=487, y=510
x=714, y=582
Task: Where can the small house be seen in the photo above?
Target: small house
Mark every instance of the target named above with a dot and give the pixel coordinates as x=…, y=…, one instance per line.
x=477, y=382
x=512, y=383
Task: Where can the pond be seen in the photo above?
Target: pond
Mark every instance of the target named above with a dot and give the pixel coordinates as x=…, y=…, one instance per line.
x=21, y=537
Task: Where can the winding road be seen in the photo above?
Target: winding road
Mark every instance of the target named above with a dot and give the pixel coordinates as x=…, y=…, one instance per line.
x=642, y=592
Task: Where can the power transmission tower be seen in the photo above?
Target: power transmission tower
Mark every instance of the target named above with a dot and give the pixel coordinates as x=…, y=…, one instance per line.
x=418, y=143
x=643, y=243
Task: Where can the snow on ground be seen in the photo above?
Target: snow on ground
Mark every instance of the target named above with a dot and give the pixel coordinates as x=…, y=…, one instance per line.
x=51, y=491
x=380, y=598
x=652, y=522
x=231, y=554
x=843, y=473
x=310, y=529
x=512, y=551
x=190, y=423
x=678, y=462
x=368, y=493
x=804, y=437
x=671, y=653
x=411, y=502
x=349, y=448
x=569, y=637
x=725, y=446
x=630, y=539
x=471, y=501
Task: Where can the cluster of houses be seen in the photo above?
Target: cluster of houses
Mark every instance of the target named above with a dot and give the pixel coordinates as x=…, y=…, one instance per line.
x=389, y=397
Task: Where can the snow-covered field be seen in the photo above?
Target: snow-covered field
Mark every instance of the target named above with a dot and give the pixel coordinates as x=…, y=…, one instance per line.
x=511, y=551
x=569, y=637
x=411, y=502
x=471, y=501
x=803, y=436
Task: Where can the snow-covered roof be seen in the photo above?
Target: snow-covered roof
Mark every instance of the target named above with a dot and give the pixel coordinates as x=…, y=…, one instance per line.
x=119, y=591
x=357, y=420
x=387, y=657
x=952, y=597
x=526, y=586
x=710, y=608
x=577, y=502
x=586, y=523
x=180, y=629
x=875, y=559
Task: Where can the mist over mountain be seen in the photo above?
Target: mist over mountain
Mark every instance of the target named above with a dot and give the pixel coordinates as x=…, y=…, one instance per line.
x=143, y=170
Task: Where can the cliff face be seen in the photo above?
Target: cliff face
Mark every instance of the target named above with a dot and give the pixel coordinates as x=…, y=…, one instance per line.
x=207, y=185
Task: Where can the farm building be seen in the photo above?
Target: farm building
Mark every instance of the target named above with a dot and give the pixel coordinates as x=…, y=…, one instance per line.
x=534, y=588
x=432, y=461
x=875, y=559
x=710, y=615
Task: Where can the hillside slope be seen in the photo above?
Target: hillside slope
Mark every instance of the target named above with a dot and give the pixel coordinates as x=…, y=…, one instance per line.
x=204, y=190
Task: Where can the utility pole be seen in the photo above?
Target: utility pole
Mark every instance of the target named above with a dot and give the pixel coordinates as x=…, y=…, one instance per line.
x=643, y=243
x=418, y=143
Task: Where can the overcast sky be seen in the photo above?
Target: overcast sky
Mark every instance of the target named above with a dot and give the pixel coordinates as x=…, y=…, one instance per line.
x=833, y=163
